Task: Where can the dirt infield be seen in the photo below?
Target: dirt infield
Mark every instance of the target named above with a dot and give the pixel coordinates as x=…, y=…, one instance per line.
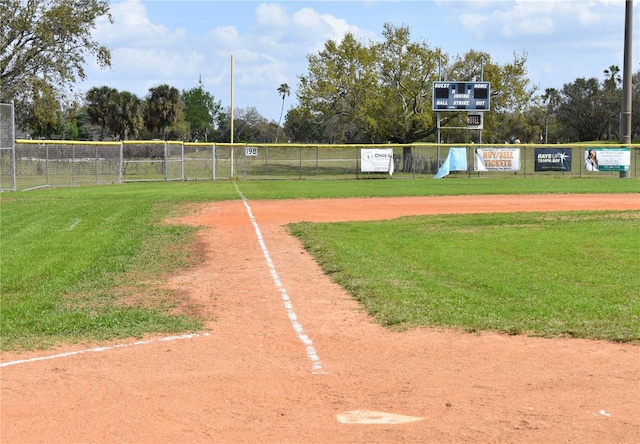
x=290, y=357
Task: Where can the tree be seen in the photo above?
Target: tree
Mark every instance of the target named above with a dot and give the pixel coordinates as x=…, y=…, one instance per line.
x=284, y=91
x=47, y=41
x=382, y=92
x=401, y=112
x=201, y=111
x=635, y=111
x=613, y=79
x=125, y=115
x=45, y=114
x=164, y=106
x=99, y=106
x=340, y=81
x=581, y=112
x=551, y=98
x=249, y=126
x=612, y=97
x=303, y=126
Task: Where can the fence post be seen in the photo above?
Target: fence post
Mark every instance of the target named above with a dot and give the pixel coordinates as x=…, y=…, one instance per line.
x=213, y=161
x=46, y=165
x=96, y=155
x=182, y=157
x=164, y=161
x=121, y=162
x=73, y=164
x=14, y=183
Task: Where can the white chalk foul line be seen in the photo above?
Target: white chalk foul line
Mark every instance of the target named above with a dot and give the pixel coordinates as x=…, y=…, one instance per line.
x=297, y=326
x=100, y=349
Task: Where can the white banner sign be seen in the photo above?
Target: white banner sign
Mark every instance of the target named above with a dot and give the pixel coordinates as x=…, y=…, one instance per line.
x=376, y=160
x=607, y=159
x=497, y=159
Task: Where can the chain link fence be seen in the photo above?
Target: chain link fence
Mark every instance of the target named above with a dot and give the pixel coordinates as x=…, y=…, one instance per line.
x=30, y=164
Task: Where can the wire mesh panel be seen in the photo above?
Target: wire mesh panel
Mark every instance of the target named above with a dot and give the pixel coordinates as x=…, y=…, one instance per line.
x=42, y=164
x=174, y=161
x=199, y=161
x=152, y=161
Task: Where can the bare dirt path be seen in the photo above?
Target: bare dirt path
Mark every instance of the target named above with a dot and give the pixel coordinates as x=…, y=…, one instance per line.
x=252, y=378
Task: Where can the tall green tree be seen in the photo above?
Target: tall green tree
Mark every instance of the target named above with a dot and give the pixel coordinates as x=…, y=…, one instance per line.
x=337, y=87
x=551, y=100
x=201, y=112
x=45, y=44
x=304, y=127
x=635, y=110
x=45, y=114
x=613, y=79
x=164, y=107
x=284, y=91
x=581, y=112
x=382, y=92
x=125, y=115
x=99, y=105
x=612, y=99
x=400, y=112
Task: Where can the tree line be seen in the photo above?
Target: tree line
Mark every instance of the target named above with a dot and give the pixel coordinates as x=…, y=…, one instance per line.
x=352, y=92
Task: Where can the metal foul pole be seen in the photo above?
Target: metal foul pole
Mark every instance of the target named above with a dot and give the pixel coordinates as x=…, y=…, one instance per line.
x=625, y=114
x=231, y=115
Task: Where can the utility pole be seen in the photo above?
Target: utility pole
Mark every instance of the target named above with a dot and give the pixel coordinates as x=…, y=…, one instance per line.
x=625, y=113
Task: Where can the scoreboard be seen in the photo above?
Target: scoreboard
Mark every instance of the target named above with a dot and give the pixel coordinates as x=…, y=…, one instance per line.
x=461, y=96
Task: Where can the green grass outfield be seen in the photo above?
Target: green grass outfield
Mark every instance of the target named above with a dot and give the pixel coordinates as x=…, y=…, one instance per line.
x=80, y=265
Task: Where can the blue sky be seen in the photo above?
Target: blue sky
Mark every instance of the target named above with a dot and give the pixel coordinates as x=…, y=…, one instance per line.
x=178, y=42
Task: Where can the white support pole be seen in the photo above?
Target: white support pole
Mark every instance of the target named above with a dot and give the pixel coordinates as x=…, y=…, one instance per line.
x=231, y=116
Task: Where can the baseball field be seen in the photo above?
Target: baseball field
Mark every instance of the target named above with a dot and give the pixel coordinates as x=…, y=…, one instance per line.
x=489, y=310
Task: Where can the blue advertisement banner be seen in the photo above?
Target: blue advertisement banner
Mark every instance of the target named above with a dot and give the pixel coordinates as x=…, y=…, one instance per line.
x=553, y=159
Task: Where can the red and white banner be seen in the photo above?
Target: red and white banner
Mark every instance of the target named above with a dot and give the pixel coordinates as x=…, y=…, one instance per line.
x=497, y=159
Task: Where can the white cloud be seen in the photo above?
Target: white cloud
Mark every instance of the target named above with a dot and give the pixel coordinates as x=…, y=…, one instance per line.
x=271, y=18
x=316, y=28
x=132, y=27
x=226, y=37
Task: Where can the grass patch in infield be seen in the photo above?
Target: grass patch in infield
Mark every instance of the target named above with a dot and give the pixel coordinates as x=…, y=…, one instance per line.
x=544, y=274
x=78, y=264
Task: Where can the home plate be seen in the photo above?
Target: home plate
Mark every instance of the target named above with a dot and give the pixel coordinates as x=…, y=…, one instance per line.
x=371, y=417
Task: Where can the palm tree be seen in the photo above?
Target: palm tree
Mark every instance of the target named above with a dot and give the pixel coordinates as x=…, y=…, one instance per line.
x=125, y=118
x=613, y=76
x=98, y=103
x=284, y=91
x=164, y=105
